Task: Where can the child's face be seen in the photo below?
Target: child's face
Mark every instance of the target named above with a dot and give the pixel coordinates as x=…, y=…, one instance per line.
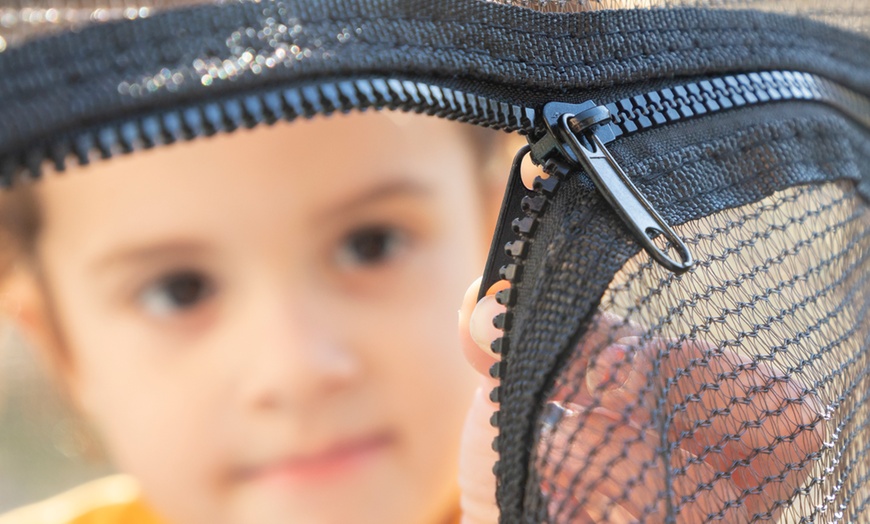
x=262, y=325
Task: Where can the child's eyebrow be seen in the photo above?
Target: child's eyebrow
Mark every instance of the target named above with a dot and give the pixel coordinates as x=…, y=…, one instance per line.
x=383, y=191
x=148, y=252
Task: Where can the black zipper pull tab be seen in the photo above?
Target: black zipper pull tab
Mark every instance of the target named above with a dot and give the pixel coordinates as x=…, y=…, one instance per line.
x=578, y=133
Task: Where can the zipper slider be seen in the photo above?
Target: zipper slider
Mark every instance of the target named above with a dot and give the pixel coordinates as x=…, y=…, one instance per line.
x=578, y=133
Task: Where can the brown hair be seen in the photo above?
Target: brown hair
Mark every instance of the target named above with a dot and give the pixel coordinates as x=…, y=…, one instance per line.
x=19, y=225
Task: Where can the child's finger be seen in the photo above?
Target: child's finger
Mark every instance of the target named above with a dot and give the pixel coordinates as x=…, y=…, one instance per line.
x=476, y=330
x=479, y=360
x=561, y=499
x=606, y=329
x=586, y=458
x=476, y=461
x=731, y=412
x=606, y=371
x=481, y=326
x=477, y=457
x=763, y=424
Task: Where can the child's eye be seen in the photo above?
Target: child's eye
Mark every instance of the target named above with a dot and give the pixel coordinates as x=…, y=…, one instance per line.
x=370, y=246
x=175, y=293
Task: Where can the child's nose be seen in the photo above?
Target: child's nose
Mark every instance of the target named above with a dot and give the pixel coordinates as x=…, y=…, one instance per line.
x=296, y=356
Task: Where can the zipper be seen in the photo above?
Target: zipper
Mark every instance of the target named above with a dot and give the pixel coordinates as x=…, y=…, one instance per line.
x=628, y=115
x=571, y=140
x=564, y=138
x=574, y=133
x=568, y=139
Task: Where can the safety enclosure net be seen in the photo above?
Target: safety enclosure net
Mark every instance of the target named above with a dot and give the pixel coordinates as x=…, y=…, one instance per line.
x=21, y=20
x=736, y=392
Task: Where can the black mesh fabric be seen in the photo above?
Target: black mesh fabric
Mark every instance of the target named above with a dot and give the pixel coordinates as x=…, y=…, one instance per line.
x=736, y=392
x=733, y=392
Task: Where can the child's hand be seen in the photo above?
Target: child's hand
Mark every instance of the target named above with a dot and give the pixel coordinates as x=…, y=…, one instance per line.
x=779, y=426
x=477, y=457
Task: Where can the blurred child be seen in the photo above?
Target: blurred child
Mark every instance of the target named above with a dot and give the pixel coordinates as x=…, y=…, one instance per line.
x=260, y=325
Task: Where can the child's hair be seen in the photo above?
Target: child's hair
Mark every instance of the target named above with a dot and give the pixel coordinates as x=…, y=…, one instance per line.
x=19, y=226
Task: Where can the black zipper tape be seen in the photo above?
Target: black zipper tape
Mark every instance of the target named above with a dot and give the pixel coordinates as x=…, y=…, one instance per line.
x=519, y=56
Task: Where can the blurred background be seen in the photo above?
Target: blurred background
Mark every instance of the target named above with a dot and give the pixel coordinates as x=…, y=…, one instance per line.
x=44, y=447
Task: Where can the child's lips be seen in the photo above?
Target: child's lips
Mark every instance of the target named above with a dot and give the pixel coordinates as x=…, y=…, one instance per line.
x=334, y=462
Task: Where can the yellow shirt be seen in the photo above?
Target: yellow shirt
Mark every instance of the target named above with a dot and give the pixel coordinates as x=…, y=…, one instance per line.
x=112, y=500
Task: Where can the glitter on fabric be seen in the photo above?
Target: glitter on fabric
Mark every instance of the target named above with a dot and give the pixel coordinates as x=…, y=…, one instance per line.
x=277, y=41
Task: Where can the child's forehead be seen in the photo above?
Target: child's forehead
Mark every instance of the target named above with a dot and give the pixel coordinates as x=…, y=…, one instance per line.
x=327, y=141
x=306, y=183
x=309, y=163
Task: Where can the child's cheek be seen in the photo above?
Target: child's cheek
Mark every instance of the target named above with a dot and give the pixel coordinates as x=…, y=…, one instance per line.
x=158, y=417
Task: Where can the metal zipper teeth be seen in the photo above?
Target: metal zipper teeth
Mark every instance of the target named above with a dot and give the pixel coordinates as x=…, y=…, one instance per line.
x=640, y=113
x=233, y=112
x=656, y=108
x=630, y=115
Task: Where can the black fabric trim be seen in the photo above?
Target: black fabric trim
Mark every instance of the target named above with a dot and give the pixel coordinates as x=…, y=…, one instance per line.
x=61, y=82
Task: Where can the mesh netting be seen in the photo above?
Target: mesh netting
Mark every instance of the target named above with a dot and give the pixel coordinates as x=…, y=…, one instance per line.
x=853, y=15
x=21, y=20
x=735, y=392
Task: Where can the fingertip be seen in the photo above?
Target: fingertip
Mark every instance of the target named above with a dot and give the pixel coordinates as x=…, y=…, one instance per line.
x=481, y=361
x=470, y=297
